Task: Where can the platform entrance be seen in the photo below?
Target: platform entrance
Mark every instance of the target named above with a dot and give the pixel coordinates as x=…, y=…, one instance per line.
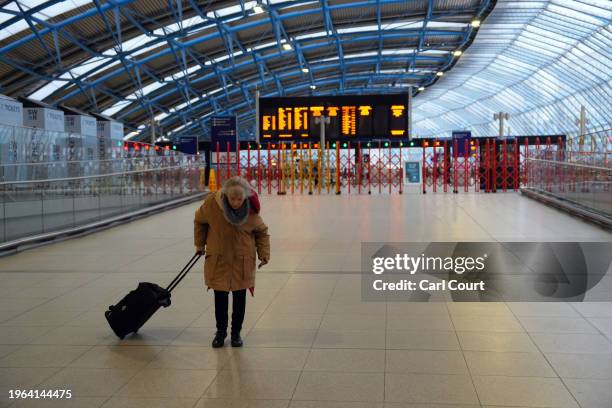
x=381, y=167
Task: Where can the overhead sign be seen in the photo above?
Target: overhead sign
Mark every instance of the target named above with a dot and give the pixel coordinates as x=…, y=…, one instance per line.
x=81, y=124
x=44, y=118
x=461, y=137
x=223, y=131
x=188, y=144
x=352, y=117
x=109, y=132
x=11, y=112
x=110, y=129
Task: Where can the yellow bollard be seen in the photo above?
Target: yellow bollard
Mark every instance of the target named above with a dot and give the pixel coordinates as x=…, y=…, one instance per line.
x=281, y=168
x=337, y=168
x=319, y=175
x=327, y=171
x=202, y=179
x=292, y=168
x=212, y=180
x=287, y=170
x=301, y=171
x=309, y=169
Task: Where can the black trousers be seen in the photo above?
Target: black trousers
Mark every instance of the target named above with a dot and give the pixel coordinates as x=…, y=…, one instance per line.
x=238, y=307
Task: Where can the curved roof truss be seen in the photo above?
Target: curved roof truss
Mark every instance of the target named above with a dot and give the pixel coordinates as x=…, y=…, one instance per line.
x=179, y=62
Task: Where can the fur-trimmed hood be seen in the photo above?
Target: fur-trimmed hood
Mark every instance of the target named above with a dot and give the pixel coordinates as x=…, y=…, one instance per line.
x=253, y=201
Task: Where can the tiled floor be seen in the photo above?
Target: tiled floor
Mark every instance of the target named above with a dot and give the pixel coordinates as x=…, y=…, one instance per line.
x=310, y=342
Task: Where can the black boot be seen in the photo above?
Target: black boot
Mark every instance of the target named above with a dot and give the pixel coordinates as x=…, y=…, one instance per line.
x=236, y=340
x=239, y=303
x=219, y=339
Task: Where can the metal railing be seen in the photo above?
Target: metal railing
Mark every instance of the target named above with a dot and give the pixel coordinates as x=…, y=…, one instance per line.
x=31, y=145
x=593, y=148
x=580, y=184
x=37, y=206
x=76, y=168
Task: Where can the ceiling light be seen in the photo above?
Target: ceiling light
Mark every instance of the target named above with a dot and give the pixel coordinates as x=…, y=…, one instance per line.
x=305, y=70
x=286, y=46
x=475, y=23
x=258, y=9
x=439, y=73
x=457, y=53
x=421, y=88
x=313, y=87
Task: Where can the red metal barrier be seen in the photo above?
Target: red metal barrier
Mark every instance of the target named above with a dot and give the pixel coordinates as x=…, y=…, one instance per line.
x=259, y=168
x=401, y=171
x=279, y=171
x=227, y=161
x=338, y=179
x=389, y=172
x=560, y=178
x=486, y=165
x=248, y=171
x=504, y=161
x=369, y=170
x=474, y=148
x=434, y=167
x=348, y=173
x=218, y=173
x=395, y=171
x=445, y=172
x=358, y=164
x=455, y=166
x=269, y=173
x=525, y=163
x=235, y=164
x=379, y=168
x=516, y=167
x=424, y=170
x=427, y=167
x=466, y=166
x=494, y=165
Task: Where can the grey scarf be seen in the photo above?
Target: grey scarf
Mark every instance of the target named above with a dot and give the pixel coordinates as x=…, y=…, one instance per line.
x=238, y=216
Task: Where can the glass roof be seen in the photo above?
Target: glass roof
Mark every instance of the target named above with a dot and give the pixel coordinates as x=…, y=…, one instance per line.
x=538, y=61
x=48, y=10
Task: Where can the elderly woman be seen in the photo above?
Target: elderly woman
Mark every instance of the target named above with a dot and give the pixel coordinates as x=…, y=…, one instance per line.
x=228, y=228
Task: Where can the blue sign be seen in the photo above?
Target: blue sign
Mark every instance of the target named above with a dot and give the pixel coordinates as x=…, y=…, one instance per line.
x=412, y=171
x=188, y=144
x=461, y=137
x=223, y=131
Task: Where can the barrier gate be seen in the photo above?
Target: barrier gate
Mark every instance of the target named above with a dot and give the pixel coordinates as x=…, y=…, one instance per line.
x=486, y=165
x=306, y=168
x=483, y=165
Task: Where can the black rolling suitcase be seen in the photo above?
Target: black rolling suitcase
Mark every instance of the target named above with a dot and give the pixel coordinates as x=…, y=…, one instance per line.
x=133, y=311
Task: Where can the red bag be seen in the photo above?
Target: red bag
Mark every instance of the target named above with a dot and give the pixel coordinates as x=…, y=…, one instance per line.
x=254, y=202
x=255, y=207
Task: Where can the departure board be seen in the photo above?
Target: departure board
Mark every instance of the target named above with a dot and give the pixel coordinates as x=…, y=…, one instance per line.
x=352, y=117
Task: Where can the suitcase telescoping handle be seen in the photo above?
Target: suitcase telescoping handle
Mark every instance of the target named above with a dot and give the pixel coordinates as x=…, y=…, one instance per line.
x=183, y=273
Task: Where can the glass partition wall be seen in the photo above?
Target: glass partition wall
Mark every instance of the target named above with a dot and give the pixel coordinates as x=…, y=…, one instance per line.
x=584, y=185
x=50, y=181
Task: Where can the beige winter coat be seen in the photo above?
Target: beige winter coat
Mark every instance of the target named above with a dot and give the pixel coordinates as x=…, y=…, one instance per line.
x=229, y=262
